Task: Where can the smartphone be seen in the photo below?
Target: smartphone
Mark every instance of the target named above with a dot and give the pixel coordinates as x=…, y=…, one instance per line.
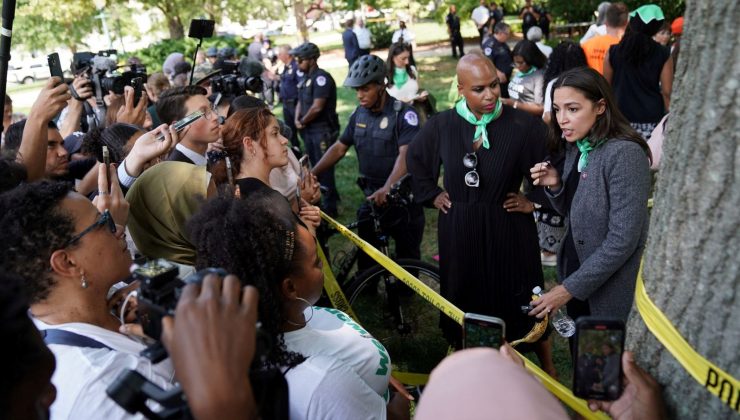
x=181, y=124
x=598, y=358
x=55, y=66
x=138, y=84
x=483, y=331
x=305, y=165
x=106, y=162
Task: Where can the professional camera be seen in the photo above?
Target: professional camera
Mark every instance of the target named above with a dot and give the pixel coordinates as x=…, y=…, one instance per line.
x=160, y=289
x=237, y=78
x=102, y=70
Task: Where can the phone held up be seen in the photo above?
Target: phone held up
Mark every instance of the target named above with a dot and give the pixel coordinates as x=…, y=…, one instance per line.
x=55, y=66
x=483, y=331
x=181, y=124
x=598, y=358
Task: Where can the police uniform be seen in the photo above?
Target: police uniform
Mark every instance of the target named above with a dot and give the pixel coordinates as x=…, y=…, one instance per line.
x=377, y=137
x=500, y=54
x=289, y=80
x=320, y=133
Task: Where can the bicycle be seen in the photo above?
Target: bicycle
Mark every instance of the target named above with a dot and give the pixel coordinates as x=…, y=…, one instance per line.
x=404, y=322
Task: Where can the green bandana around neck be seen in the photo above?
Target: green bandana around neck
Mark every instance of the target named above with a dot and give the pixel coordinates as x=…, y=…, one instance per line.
x=480, y=125
x=531, y=70
x=400, y=77
x=585, y=147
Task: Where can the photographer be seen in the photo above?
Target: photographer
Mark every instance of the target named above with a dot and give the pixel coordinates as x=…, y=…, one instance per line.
x=69, y=254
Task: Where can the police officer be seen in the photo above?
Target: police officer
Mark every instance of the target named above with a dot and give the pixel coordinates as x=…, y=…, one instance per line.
x=289, y=79
x=316, y=116
x=380, y=129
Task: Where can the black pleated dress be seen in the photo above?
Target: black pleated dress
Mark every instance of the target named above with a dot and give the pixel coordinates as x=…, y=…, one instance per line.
x=489, y=258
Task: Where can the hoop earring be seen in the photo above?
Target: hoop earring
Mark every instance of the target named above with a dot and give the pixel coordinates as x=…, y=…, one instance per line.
x=84, y=281
x=309, y=318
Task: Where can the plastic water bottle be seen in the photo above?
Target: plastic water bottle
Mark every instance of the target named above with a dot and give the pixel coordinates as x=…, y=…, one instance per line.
x=564, y=325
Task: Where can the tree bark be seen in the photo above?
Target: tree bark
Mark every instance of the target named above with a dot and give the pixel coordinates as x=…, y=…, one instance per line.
x=691, y=262
x=175, y=27
x=300, y=19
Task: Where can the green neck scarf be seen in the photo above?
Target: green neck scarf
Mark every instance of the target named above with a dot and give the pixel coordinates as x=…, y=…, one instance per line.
x=400, y=77
x=531, y=70
x=585, y=146
x=480, y=125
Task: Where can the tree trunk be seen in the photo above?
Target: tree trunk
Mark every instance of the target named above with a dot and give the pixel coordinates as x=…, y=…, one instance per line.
x=175, y=27
x=691, y=262
x=300, y=19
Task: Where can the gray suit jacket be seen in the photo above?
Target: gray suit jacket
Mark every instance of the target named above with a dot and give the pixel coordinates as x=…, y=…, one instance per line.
x=609, y=222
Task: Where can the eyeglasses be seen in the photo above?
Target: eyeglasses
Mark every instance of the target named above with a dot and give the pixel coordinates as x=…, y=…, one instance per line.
x=470, y=161
x=104, y=219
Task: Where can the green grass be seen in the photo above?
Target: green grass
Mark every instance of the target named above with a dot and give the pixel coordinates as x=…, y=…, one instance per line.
x=436, y=74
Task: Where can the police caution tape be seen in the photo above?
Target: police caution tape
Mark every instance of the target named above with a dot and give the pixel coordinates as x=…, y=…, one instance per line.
x=335, y=293
x=714, y=379
x=555, y=387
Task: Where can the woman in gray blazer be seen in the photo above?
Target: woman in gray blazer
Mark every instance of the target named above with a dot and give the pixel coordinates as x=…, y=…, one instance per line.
x=603, y=190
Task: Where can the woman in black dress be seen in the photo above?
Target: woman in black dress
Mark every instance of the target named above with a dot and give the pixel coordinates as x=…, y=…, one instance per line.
x=489, y=253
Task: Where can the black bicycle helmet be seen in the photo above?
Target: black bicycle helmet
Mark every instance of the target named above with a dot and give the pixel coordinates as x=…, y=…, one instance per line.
x=307, y=50
x=366, y=69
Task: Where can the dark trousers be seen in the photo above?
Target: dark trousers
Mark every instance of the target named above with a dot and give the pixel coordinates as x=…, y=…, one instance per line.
x=289, y=118
x=404, y=225
x=456, y=40
x=317, y=142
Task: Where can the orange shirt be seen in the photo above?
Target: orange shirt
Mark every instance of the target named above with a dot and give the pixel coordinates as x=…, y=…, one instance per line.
x=596, y=48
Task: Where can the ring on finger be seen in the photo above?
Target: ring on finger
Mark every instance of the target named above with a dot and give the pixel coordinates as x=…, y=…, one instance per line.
x=103, y=192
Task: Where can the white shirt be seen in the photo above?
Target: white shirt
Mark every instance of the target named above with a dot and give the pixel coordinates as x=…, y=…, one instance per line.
x=82, y=374
x=332, y=333
x=409, y=91
x=548, y=101
x=197, y=158
x=323, y=387
x=364, y=40
x=480, y=15
x=408, y=36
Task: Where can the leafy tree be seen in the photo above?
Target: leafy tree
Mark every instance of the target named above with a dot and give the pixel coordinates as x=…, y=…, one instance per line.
x=44, y=24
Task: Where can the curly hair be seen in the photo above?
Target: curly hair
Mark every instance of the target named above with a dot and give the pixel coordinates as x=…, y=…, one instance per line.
x=255, y=240
x=32, y=226
x=22, y=344
x=12, y=173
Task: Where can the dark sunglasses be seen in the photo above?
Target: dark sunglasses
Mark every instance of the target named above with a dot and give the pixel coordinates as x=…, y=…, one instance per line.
x=104, y=219
x=470, y=161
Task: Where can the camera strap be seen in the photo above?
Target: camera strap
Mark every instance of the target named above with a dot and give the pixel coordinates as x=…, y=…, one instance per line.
x=68, y=338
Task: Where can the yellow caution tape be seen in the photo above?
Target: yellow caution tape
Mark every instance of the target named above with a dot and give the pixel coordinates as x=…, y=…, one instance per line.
x=335, y=293
x=555, y=387
x=420, y=288
x=714, y=379
x=413, y=379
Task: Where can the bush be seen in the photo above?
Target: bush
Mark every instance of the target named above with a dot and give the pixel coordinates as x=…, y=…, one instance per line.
x=381, y=34
x=154, y=55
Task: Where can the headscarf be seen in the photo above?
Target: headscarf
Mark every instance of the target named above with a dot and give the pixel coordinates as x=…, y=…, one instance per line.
x=162, y=200
x=480, y=383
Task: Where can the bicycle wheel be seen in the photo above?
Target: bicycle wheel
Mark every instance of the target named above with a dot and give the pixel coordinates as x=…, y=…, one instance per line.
x=418, y=346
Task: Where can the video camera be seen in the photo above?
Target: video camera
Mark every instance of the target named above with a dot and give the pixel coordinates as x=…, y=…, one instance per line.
x=159, y=291
x=102, y=70
x=237, y=77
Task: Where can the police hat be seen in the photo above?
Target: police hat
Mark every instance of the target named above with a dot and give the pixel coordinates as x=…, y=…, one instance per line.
x=212, y=52
x=306, y=50
x=366, y=69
